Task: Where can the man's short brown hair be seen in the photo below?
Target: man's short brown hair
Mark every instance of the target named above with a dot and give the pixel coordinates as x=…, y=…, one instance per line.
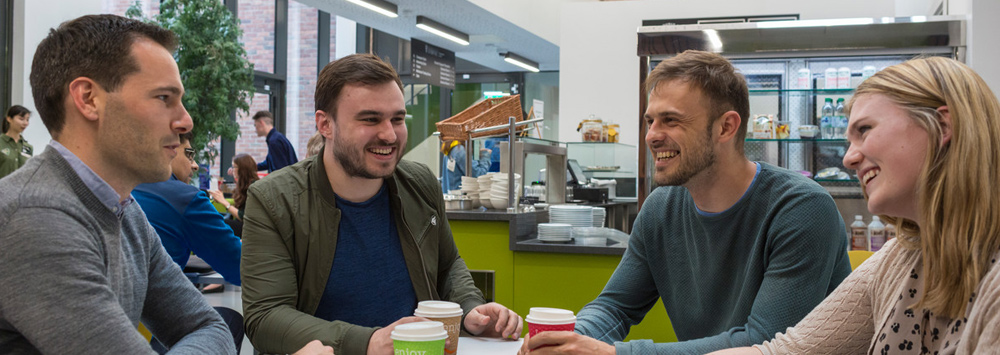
x=719, y=81
x=365, y=69
x=266, y=115
x=98, y=47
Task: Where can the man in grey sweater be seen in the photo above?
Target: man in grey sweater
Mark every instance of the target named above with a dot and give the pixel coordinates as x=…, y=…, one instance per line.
x=80, y=265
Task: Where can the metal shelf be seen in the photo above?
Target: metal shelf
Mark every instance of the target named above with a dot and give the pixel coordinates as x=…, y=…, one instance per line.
x=802, y=91
x=800, y=140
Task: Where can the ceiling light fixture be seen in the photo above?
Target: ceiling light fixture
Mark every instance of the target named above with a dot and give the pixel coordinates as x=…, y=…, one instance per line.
x=816, y=23
x=437, y=28
x=713, y=39
x=380, y=6
x=520, y=61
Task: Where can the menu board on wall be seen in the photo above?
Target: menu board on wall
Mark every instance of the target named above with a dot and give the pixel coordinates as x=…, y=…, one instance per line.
x=432, y=65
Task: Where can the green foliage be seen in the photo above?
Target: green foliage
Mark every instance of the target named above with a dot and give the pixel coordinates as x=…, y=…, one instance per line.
x=217, y=76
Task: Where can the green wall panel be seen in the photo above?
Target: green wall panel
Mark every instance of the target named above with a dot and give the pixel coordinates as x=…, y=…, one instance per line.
x=485, y=246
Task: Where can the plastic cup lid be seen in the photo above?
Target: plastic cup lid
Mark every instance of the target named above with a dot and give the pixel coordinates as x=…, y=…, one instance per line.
x=419, y=331
x=437, y=309
x=543, y=315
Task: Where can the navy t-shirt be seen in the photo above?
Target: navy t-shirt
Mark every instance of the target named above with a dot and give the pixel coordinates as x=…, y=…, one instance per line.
x=369, y=283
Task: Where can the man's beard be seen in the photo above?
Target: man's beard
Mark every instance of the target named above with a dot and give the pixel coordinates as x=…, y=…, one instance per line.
x=353, y=161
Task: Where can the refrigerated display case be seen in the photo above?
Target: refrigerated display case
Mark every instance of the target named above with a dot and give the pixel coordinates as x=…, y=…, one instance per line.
x=785, y=64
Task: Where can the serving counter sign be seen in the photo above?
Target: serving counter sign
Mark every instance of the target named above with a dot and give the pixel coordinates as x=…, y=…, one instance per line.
x=432, y=65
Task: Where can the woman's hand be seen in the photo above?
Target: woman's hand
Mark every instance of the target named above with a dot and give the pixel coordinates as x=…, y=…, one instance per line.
x=217, y=196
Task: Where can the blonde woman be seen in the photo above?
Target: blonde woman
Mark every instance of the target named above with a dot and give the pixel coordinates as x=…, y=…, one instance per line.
x=925, y=141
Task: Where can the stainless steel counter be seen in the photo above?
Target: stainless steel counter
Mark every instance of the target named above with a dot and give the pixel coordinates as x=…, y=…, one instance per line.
x=524, y=232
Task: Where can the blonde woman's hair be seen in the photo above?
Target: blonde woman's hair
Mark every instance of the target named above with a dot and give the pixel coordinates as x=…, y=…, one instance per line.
x=315, y=144
x=958, y=193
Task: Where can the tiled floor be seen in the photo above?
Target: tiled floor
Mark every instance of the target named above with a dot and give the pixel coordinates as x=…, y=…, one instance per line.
x=231, y=298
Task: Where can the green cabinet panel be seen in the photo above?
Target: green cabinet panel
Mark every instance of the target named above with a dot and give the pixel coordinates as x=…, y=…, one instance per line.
x=530, y=279
x=570, y=281
x=485, y=245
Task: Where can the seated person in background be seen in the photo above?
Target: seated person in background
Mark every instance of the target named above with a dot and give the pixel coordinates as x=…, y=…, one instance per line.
x=737, y=250
x=186, y=220
x=79, y=264
x=315, y=145
x=243, y=173
x=453, y=164
x=925, y=140
x=341, y=246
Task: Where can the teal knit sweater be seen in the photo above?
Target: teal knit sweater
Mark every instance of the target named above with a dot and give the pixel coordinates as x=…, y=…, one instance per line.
x=727, y=279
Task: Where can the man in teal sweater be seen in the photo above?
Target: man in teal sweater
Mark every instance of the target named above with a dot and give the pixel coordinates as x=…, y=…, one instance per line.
x=737, y=250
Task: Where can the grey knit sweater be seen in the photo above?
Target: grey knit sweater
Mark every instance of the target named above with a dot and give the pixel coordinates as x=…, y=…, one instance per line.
x=74, y=278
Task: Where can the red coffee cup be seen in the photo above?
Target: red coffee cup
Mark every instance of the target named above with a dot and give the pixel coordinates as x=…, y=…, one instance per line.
x=542, y=319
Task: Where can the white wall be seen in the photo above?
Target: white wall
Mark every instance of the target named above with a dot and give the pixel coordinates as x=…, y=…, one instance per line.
x=539, y=17
x=984, y=48
x=599, y=68
x=32, y=21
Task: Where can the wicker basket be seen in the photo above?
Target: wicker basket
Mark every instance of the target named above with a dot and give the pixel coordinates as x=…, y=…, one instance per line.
x=489, y=112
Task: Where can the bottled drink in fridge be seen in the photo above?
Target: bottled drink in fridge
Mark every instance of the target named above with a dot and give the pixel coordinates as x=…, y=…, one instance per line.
x=844, y=78
x=826, y=122
x=876, y=234
x=859, y=234
x=839, y=120
x=830, y=78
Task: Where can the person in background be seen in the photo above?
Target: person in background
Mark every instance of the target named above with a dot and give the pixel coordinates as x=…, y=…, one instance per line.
x=243, y=172
x=14, y=149
x=934, y=289
x=493, y=145
x=315, y=144
x=342, y=246
x=186, y=220
x=280, y=152
x=736, y=250
x=453, y=169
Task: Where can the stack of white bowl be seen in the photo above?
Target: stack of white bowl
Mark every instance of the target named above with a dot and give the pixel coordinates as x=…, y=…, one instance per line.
x=485, y=182
x=470, y=187
x=499, y=190
x=554, y=232
x=599, y=214
x=575, y=215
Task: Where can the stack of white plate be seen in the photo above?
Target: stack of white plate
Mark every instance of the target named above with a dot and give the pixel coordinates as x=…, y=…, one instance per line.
x=575, y=215
x=554, y=232
x=599, y=214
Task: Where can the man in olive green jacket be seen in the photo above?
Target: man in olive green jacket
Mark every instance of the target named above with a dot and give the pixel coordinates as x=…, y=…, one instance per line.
x=295, y=224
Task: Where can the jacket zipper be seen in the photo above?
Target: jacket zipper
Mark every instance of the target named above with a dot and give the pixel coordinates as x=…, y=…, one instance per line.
x=423, y=263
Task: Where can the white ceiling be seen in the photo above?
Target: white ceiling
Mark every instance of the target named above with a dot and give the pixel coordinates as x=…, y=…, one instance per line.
x=489, y=35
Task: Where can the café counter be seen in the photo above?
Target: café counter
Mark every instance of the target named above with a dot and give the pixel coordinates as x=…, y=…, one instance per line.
x=514, y=268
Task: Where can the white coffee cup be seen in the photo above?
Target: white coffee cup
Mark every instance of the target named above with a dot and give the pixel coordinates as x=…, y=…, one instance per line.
x=448, y=313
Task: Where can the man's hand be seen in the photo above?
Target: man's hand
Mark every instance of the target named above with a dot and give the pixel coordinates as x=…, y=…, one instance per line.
x=493, y=320
x=380, y=343
x=564, y=343
x=315, y=347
